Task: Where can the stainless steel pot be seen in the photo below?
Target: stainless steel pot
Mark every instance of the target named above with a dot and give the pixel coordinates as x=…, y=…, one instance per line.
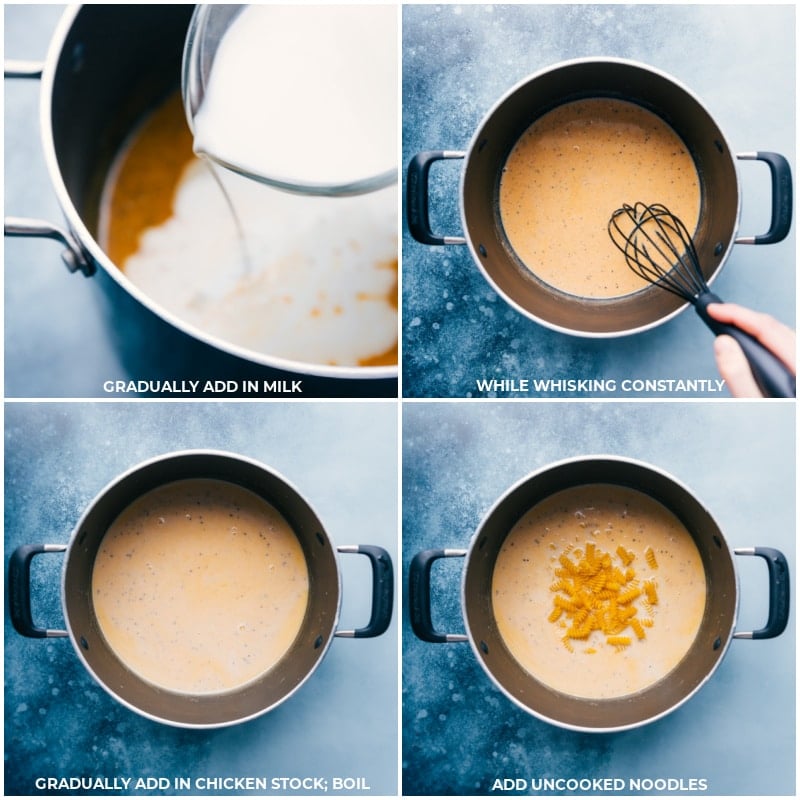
x=318, y=629
x=499, y=131
x=107, y=66
x=698, y=665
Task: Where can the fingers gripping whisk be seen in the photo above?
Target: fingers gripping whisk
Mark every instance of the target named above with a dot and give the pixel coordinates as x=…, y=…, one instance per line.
x=658, y=247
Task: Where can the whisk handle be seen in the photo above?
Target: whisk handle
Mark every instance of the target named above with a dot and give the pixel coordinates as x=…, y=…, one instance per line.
x=770, y=373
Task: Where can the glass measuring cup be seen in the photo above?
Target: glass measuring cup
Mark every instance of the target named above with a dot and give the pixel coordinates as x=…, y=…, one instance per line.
x=206, y=38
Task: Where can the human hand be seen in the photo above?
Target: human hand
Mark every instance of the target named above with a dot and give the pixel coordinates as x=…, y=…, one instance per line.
x=731, y=363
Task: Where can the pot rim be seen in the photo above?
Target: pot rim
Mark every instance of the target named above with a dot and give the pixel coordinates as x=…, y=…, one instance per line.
x=639, y=464
x=87, y=241
x=473, y=143
x=323, y=649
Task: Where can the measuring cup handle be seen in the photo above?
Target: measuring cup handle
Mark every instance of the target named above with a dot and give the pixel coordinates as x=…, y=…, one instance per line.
x=778, y=569
x=417, y=197
x=19, y=590
x=419, y=596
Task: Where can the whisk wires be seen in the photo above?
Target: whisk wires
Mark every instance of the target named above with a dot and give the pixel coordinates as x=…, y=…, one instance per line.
x=658, y=247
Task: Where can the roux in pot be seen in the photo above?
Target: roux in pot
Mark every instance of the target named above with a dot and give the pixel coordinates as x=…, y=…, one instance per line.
x=141, y=188
x=567, y=174
x=200, y=586
x=665, y=579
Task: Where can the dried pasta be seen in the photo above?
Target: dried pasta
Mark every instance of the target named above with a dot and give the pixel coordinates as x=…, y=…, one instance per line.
x=592, y=594
x=625, y=555
x=650, y=591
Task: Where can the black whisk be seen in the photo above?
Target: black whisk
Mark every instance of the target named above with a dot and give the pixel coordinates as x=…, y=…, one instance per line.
x=658, y=247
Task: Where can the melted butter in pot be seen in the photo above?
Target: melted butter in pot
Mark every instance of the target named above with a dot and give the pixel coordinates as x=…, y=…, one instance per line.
x=140, y=190
x=657, y=548
x=200, y=586
x=571, y=170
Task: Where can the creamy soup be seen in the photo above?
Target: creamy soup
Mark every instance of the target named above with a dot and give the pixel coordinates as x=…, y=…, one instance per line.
x=571, y=170
x=200, y=586
x=598, y=591
x=303, y=278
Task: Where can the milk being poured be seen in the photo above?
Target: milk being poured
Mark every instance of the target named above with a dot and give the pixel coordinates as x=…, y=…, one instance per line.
x=319, y=87
x=306, y=93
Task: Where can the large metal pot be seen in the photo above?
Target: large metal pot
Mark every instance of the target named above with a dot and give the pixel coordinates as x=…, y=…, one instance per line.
x=107, y=66
x=705, y=653
x=499, y=131
x=319, y=625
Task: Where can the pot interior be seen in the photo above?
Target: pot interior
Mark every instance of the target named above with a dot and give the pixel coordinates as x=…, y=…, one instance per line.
x=697, y=665
x=207, y=709
x=501, y=130
x=117, y=62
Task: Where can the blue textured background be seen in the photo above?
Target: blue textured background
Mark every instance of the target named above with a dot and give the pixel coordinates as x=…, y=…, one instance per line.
x=459, y=60
x=460, y=733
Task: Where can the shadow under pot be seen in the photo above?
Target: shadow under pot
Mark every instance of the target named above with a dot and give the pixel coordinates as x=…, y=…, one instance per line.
x=200, y=589
x=598, y=594
x=580, y=311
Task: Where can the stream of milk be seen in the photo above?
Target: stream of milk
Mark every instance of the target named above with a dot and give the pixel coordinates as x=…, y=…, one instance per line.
x=308, y=92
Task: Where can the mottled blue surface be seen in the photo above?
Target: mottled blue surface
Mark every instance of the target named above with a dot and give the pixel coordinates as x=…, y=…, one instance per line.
x=460, y=733
x=38, y=288
x=459, y=60
x=341, y=723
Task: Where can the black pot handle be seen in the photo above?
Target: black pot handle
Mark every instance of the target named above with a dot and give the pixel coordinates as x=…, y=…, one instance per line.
x=417, y=197
x=419, y=596
x=19, y=590
x=781, y=221
x=771, y=375
x=778, y=592
x=382, y=591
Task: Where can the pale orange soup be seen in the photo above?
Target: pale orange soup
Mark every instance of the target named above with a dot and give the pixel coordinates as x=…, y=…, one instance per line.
x=200, y=586
x=571, y=170
x=607, y=516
